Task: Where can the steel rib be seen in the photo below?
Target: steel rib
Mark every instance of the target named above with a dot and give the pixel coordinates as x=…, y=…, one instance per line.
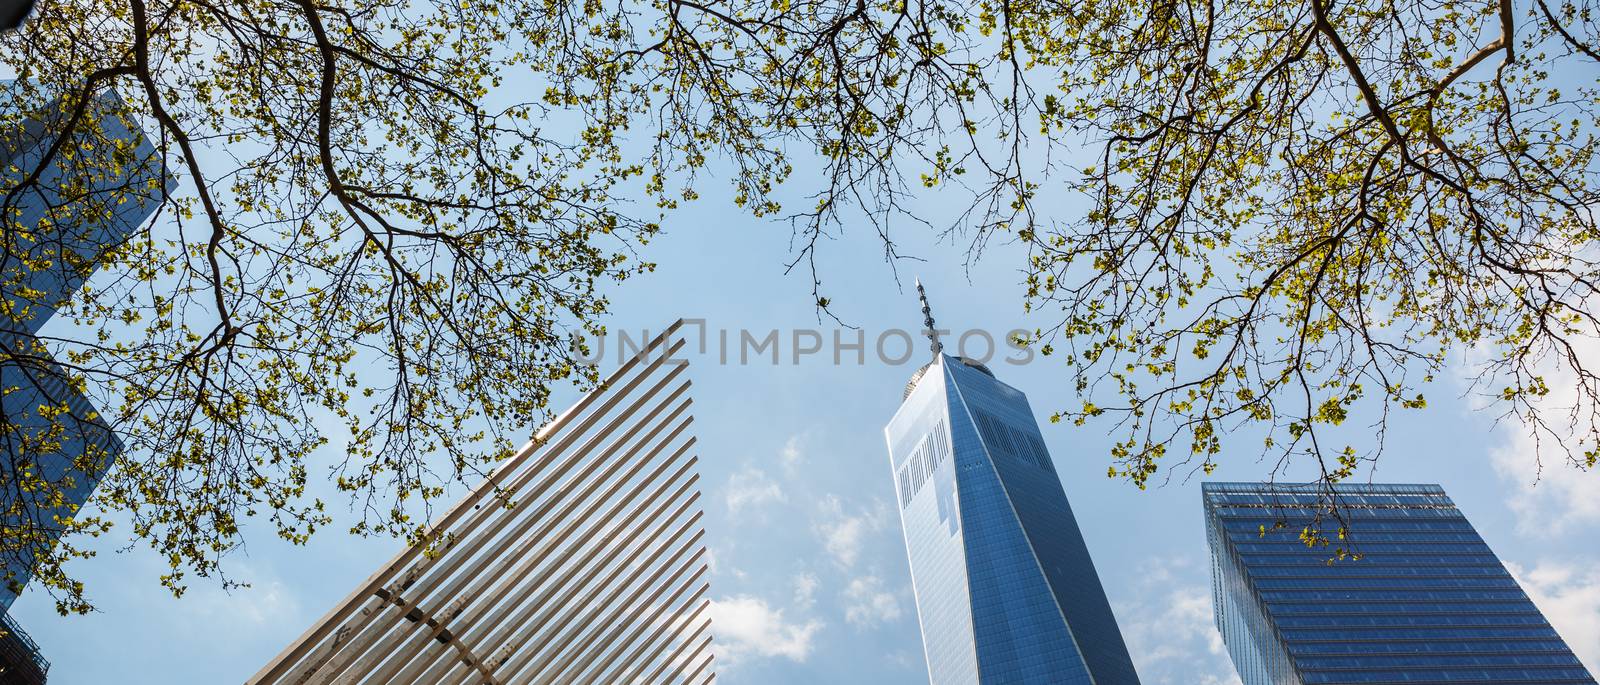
x=471, y=572
x=569, y=573
x=676, y=580
x=632, y=664
x=632, y=672
x=354, y=648
x=678, y=656
x=604, y=628
x=313, y=637
x=546, y=652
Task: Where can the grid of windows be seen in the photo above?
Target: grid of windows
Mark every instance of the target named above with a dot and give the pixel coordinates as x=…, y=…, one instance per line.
x=1007, y=439
x=1426, y=601
x=918, y=469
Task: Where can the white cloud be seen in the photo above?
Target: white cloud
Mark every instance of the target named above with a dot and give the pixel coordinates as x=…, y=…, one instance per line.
x=1569, y=596
x=805, y=590
x=272, y=602
x=1549, y=495
x=791, y=457
x=1170, y=631
x=904, y=658
x=747, y=627
x=266, y=602
x=843, y=535
x=1550, y=500
x=1174, y=627
x=712, y=557
x=751, y=488
x=867, y=604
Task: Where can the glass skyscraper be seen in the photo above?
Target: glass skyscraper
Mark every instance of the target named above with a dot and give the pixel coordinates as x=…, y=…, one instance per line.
x=1425, y=601
x=82, y=201
x=1005, y=589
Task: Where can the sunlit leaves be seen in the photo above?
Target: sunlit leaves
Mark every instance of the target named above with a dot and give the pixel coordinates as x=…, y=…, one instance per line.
x=388, y=264
x=377, y=254
x=1271, y=254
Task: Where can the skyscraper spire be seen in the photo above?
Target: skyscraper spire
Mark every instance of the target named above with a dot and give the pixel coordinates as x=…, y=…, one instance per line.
x=927, y=322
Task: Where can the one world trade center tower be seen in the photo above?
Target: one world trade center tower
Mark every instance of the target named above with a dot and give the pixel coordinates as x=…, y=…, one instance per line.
x=1005, y=589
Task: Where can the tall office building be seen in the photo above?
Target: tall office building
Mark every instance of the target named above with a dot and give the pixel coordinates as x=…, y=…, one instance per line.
x=60, y=212
x=1005, y=589
x=581, y=560
x=1426, y=602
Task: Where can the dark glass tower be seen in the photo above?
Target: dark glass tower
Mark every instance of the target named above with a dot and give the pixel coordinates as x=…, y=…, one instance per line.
x=1005, y=589
x=83, y=200
x=1425, y=603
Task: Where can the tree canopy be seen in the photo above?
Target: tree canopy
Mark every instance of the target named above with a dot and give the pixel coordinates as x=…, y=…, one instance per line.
x=392, y=217
x=1302, y=211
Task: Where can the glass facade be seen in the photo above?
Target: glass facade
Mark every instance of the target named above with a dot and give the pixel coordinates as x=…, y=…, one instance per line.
x=1419, y=598
x=1005, y=589
x=82, y=204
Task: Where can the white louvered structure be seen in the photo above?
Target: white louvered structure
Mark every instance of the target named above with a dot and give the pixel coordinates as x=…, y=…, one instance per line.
x=595, y=575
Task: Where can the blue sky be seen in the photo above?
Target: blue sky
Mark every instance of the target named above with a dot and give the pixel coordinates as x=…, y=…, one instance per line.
x=810, y=575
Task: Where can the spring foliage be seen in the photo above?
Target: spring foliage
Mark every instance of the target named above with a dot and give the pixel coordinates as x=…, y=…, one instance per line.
x=384, y=237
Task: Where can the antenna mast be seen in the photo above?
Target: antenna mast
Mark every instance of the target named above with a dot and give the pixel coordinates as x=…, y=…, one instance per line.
x=927, y=321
